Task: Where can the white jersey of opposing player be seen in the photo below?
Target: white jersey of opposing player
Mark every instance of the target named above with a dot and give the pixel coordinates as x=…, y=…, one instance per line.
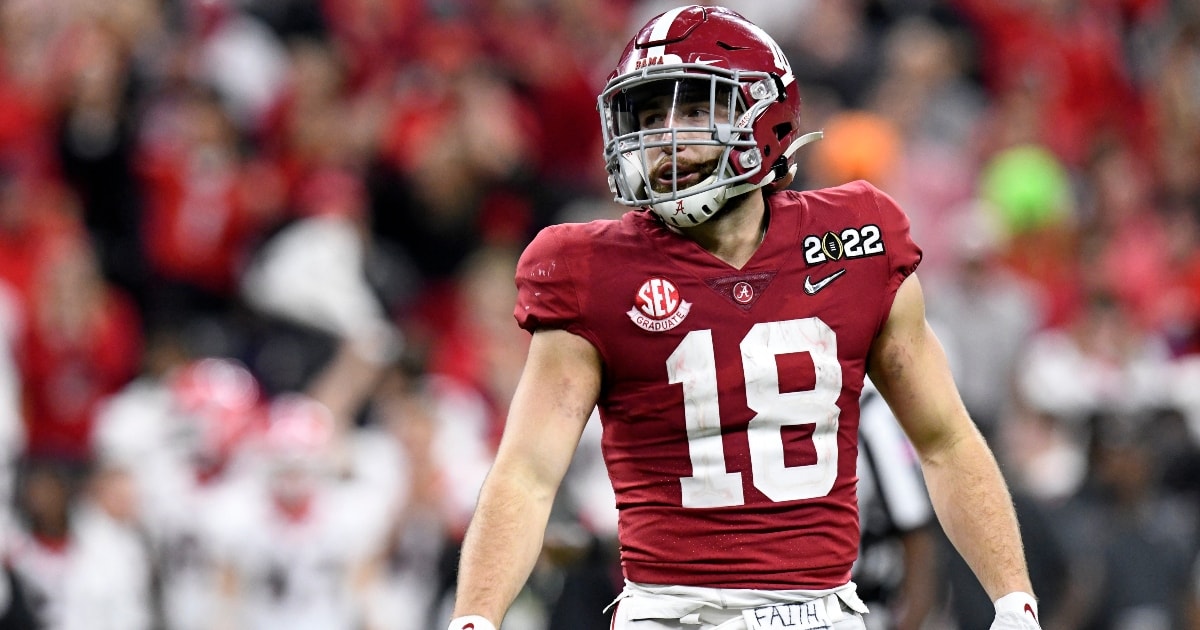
x=108, y=587
x=139, y=428
x=300, y=574
x=186, y=533
x=98, y=580
x=41, y=569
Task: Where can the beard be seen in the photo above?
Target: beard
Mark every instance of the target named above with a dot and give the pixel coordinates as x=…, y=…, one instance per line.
x=687, y=173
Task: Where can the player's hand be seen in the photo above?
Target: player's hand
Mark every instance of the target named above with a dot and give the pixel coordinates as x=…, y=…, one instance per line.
x=1016, y=611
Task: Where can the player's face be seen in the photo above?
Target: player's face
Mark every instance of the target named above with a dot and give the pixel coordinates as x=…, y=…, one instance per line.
x=292, y=482
x=683, y=165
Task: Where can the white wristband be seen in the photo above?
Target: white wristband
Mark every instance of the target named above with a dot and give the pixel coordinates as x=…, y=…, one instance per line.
x=471, y=622
x=1018, y=602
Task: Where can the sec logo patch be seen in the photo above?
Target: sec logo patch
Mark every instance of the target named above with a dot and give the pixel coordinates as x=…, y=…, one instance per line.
x=657, y=305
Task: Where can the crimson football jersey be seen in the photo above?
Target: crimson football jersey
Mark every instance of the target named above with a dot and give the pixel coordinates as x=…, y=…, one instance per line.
x=729, y=399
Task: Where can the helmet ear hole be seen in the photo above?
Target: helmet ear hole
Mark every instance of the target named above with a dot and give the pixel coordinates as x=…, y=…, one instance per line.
x=782, y=130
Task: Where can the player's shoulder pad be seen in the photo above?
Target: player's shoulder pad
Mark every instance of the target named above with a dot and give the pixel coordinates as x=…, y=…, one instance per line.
x=854, y=203
x=856, y=220
x=554, y=243
x=856, y=197
x=552, y=272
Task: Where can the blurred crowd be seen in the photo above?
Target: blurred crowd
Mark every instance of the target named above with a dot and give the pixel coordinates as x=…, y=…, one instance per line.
x=256, y=259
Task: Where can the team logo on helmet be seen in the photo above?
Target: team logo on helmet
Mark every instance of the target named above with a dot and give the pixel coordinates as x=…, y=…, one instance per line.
x=657, y=306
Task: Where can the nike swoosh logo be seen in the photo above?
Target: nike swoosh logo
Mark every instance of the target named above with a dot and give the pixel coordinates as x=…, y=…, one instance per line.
x=811, y=288
x=707, y=62
x=1029, y=609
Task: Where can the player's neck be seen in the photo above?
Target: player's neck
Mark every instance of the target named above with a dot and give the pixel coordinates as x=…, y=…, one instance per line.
x=736, y=232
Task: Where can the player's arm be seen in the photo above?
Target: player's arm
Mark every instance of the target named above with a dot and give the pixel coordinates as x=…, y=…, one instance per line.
x=969, y=494
x=229, y=588
x=364, y=579
x=556, y=394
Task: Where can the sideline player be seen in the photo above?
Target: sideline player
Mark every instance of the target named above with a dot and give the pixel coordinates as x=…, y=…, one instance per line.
x=726, y=352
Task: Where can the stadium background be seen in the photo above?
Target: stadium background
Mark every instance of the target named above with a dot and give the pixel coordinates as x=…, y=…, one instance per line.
x=333, y=193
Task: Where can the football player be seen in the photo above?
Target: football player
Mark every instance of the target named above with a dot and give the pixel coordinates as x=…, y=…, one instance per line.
x=724, y=330
x=215, y=409
x=299, y=550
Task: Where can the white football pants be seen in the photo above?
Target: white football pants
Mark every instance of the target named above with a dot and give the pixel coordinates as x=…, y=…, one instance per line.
x=650, y=607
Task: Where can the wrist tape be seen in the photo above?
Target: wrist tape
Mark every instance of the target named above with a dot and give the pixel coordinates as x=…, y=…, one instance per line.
x=1019, y=603
x=471, y=622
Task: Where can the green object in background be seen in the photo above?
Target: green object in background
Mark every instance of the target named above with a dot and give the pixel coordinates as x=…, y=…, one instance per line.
x=1028, y=187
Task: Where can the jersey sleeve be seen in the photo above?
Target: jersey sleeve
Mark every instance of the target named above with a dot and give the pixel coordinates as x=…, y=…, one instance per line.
x=903, y=253
x=547, y=294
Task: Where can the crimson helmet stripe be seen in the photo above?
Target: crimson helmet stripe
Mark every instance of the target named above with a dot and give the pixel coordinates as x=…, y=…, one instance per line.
x=662, y=27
